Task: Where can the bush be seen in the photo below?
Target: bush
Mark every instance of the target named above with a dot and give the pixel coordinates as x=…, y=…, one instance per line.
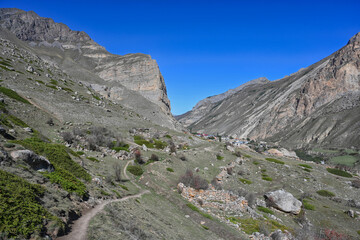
x=307, y=205
x=267, y=178
x=14, y=95
x=138, y=157
x=117, y=169
x=251, y=198
x=274, y=160
x=355, y=183
x=325, y=193
x=93, y=159
x=196, y=182
x=68, y=137
x=215, y=183
x=265, y=210
x=339, y=172
x=170, y=169
x=173, y=148
x=154, y=157
x=182, y=158
x=50, y=122
x=305, y=166
x=141, y=141
x=135, y=170
x=21, y=213
x=302, y=155
x=219, y=157
x=159, y=144
x=245, y=181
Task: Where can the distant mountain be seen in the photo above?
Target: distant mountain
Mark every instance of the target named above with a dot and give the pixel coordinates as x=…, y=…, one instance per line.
x=77, y=54
x=318, y=105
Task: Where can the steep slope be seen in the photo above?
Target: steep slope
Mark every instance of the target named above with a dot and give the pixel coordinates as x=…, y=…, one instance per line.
x=78, y=54
x=326, y=93
x=206, y=105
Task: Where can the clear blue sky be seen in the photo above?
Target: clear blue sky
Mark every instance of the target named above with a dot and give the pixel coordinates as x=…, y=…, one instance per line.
x=204, y=48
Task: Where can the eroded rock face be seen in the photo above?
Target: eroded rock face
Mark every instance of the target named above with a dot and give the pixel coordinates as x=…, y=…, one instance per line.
x=283, y=201
x=36, y=162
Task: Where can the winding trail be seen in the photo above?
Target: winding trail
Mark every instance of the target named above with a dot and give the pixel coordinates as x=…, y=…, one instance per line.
x=80, y=226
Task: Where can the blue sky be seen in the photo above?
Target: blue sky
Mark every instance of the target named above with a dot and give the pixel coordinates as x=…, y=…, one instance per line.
x=204, y=48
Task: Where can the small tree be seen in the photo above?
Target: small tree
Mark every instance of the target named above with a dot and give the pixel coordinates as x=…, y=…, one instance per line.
x=68, y=137
x=138, y=157
x=117, y=169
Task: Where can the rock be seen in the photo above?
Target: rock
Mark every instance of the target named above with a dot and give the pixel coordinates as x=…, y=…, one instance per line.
x=38, y=163
x=4, y=158
x=144, y=147
x=180, y=187
x=283, y=201
x=275, y=152
x=30, y=69
x=351, y=213
x=27, y=129
x=230, y=148
x=279, y=235
x=288, y=153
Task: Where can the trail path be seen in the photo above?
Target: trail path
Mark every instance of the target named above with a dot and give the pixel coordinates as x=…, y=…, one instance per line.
x=80, y=226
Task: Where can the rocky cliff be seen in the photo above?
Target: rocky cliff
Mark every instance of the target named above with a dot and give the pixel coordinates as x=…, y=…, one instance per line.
x=318, y=105
x=137, y=72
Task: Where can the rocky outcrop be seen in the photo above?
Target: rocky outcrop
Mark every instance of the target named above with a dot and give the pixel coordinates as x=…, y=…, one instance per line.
x=38, y=163
x=318, y=105
x=137, y=72
x=283, y=201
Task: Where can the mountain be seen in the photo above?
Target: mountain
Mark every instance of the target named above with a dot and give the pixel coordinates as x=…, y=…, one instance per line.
x=79, y=56
x=318, y=106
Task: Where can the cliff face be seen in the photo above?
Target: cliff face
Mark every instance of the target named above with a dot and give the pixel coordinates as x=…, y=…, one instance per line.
x=317, y=105
x=137, y=72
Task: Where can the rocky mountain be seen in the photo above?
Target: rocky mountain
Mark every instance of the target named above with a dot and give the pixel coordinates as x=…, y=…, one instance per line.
x=79, y=55
x=318, y=105
x=206, y=105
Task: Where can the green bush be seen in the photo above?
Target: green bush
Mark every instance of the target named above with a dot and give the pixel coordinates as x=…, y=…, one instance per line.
x=256, y=162
x=170, y=169
x=339, y=172
x=124, y=187
x=250, y=225
x=168, y=136
x=14, y=95
x=80, y=153
x=307, y=205
x=266, y=178
x=117, y=149
x=219, y=157
x=93, y=159
x=302, y=155
x=205, y=227
x=325, y=193
x=265, y=210
x=21, y=213
x=358, y=232
x=194, y=208
x=245, y=181
x=67, y=181
x=16, y=121
x=57, y=154
x=274, y=160
x=159, y=144
x=305, y=166
x=141, y=141
x=135, y=170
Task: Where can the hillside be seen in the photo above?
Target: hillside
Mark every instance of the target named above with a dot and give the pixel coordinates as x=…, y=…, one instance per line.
x=316, y=106
x=85, y=156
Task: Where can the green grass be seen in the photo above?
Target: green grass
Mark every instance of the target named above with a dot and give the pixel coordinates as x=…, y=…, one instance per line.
x=124, y=187
x=320, y=150
x=325, y=193
x=41, y=82
x=141, y=141
x=96, y=97
x=21, y=213
x=159, y=144
x=80, y=153
x=16, y=121
x=104, y=193
x=218, y=157
x=54, y=82
x=265, y=210
x=250, y=225
x=245, y=181
x=170, y=169
x=168, y=136
x=306, y=157
x=305, y=166
x=306, y=170
x=51, y=86
x=307, y=205
x=358, y=232
x=247, y=156
x=256, y=162
x=205, y=227
x=116, y=193
x=135, y=170
x=344, y=160
x=339, y=172
x=194, y=208
x=267, y=178
x=93, y=159
x=273, y=160
x=14, y=95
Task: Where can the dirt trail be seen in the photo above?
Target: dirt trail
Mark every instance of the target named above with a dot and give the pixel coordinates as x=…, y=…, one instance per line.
x=80, y=226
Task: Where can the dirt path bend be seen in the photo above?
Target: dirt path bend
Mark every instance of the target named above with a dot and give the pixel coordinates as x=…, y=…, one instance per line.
x=80, y=226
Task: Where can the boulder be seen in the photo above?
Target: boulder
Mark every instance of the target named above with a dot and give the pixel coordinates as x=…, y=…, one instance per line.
x=284, y=201
x=288, y=153
x=30, y=69
x=4, y=158
x=36, y=162
x=275, y=152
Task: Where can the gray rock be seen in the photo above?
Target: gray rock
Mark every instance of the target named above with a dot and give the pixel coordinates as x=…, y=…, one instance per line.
x=30, y=69
x=283, y=201
x=5, y=160
x=144, y=147
x=38, y=163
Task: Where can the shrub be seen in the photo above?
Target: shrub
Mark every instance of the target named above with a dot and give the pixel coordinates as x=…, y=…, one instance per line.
x=80, y=153
x=205, y=227
x=138, y=157
x=274, y=160
x=172, y=147
x=14, y=95
x=9, y=145
x=355, y=183
x=170, y=169
x=68, y=137
x=182, y=158
x=124, y=187
x=141, y=141
x=325, y=193
x=256, y=162
x=16, y=121
x=251, y=198
x=117, y=169
x=237, y=153
x=50, y=122
x=159, y=144
x=215, y=183
x=266, y=178
x=196, y=182
x=265, y=210
x=21, y=213
x=168, y=136
x=135, y=170
x=229, y=170
x=219, y=157
x=245, y=181
x=154, y=157
x=194, y=208
x=302, y=155
x=339, y=172
x=93, y=159
x=307, y=205
x=305, y=166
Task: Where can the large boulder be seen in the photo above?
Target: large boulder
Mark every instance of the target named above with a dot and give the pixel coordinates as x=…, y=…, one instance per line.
x=283, y=201
x=36, y=162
